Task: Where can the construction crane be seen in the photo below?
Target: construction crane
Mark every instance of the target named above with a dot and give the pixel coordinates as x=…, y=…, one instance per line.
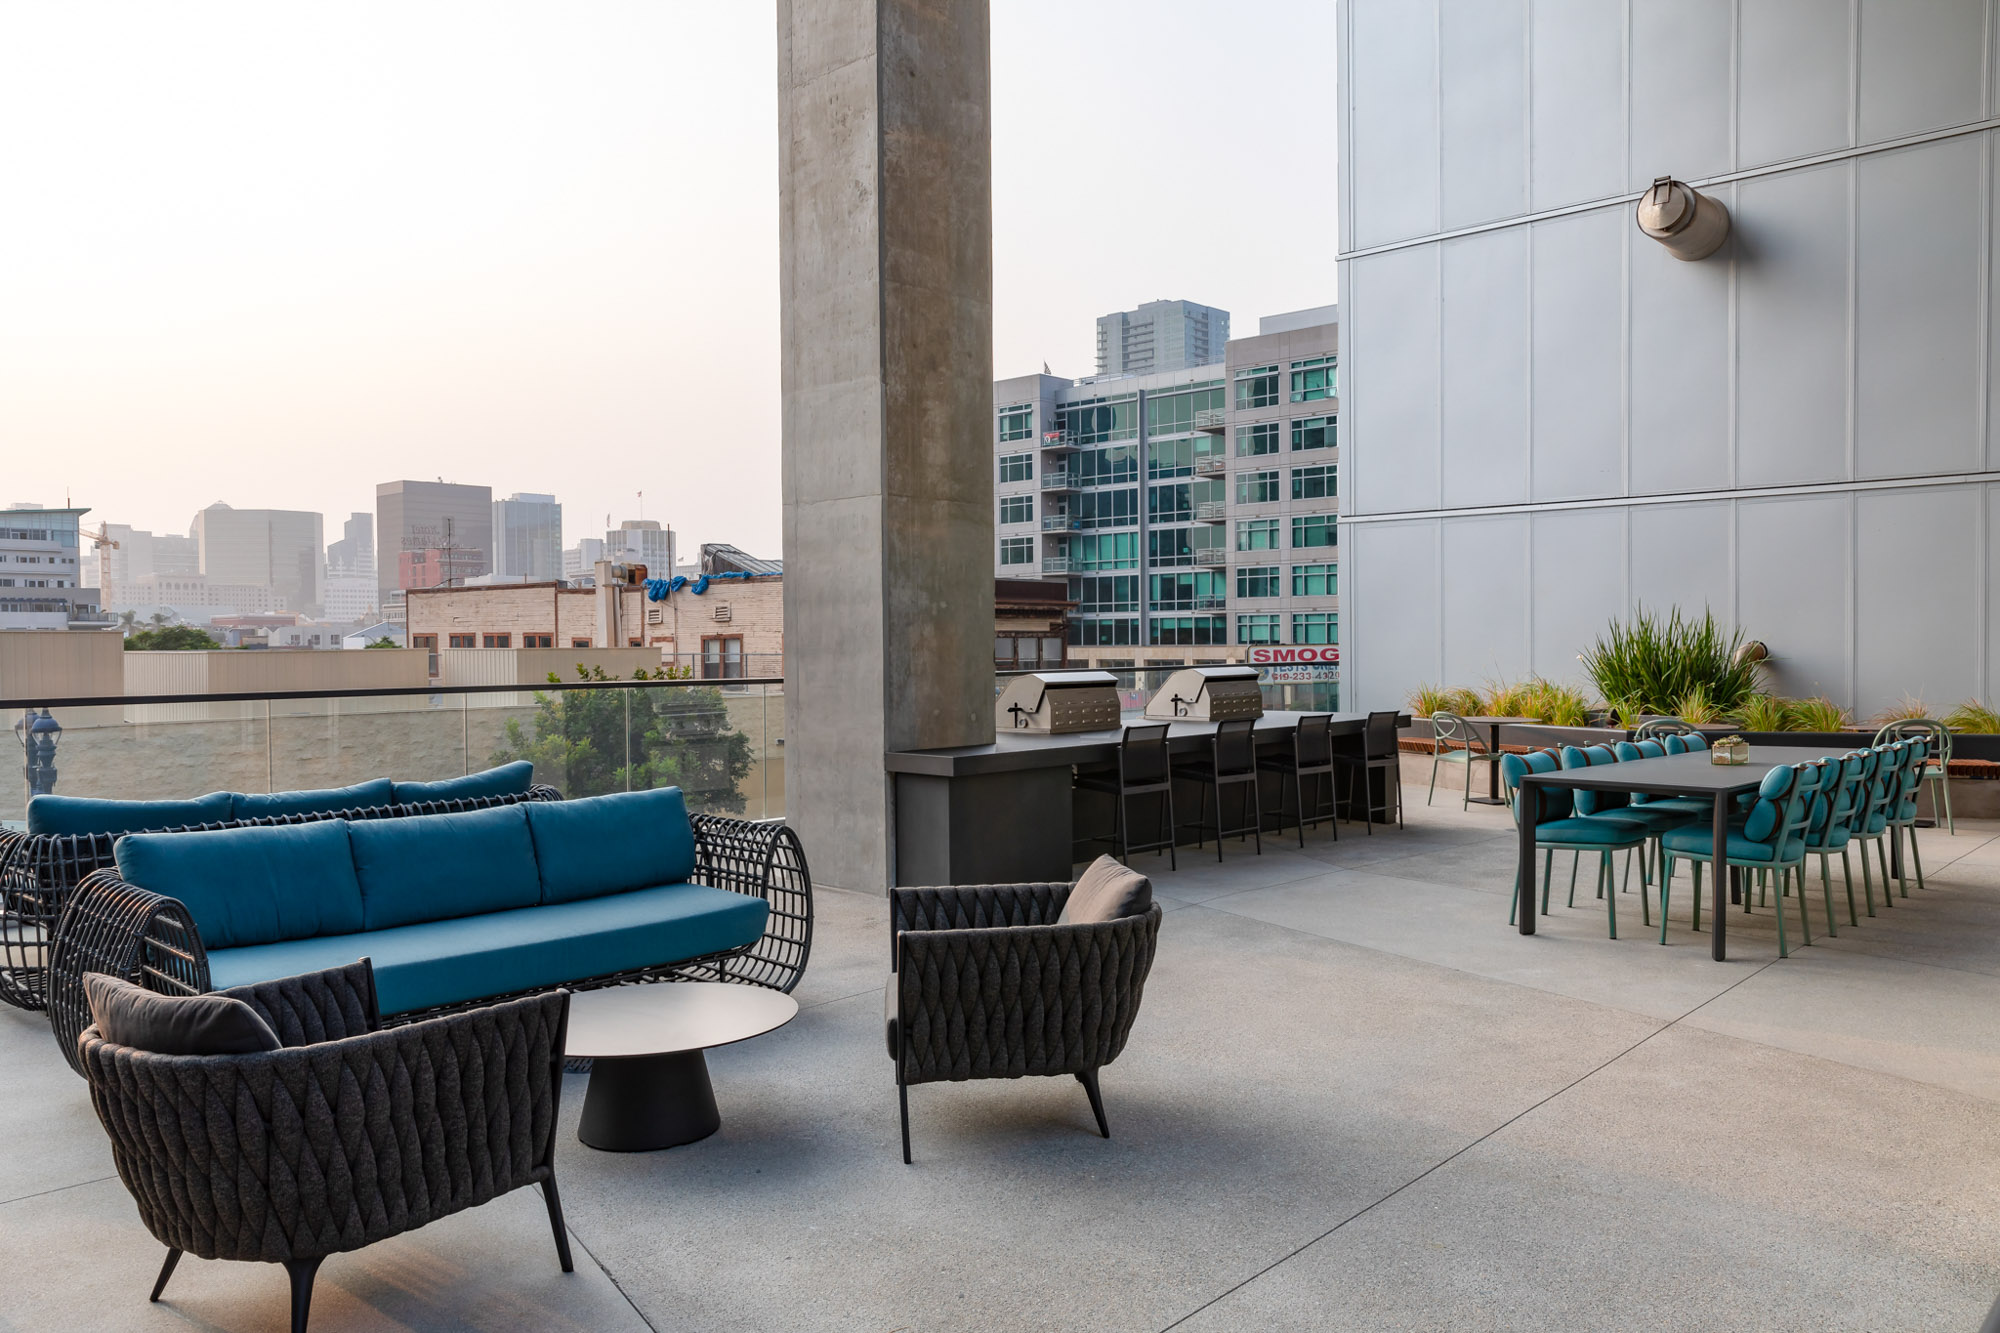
x=99, y=540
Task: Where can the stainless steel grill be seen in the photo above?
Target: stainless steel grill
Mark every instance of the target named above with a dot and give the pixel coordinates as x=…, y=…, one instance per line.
x=1208, y=694
x=1051, y=702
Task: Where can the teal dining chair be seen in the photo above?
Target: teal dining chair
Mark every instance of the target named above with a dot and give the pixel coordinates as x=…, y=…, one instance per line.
x=1841, y=807
x=1937, y=768
x=1902, y=820
x=1768, y=842
x=1697, y=807
x=1884, y=795
x=1456, y=743
x=1656, y=818
x=1561, y=829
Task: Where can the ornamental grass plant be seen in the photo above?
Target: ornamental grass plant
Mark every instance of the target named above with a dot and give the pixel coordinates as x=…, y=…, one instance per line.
x=1657, y=665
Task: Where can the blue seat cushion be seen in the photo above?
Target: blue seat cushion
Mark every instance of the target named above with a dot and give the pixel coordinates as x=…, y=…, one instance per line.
x=1687, y=805
x=1591, y=831
x=451, y=962
x=1651, y=817
x=507, y=780
x=247, y=886
x=609, y=844
x=67, y=816
x=328, y=801
x=1698, y=841
x=434, y=867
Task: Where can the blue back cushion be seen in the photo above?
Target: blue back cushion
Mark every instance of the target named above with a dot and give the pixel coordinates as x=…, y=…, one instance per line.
x=506, y=780
x=431, y=867
x=327, y=801
x=1762, y=821
x=61, y=816
x=1590, y=802
x=1513, y=767
x=252, y=885
x=609, y=844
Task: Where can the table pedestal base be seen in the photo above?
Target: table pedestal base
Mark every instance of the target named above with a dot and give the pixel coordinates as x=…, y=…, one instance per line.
x=642, y=1103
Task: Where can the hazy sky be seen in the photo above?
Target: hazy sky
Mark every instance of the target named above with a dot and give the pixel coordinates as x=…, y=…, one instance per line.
x=273, y=253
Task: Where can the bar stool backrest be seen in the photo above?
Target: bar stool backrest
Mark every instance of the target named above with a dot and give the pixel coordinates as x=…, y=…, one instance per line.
x=1142, y=756
x=1312, y=743
x=1378, y=738
x=1452, y=732
x=1235, y=747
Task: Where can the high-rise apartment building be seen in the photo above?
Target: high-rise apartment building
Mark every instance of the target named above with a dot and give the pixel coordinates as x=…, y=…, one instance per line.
x=354, y=553
x=279, y=549
x=1160, y=336
x=580, y=562
x=641, y=541
x=350, y=594
x=431, y=532
x=1193, y=513
x=527, y=538
x=41, y=571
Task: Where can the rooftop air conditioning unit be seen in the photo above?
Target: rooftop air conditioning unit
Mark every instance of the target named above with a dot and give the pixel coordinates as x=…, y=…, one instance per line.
x=1208, y=694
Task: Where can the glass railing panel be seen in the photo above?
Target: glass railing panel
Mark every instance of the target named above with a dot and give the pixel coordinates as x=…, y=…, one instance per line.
x=318, y=743
x=140, y=752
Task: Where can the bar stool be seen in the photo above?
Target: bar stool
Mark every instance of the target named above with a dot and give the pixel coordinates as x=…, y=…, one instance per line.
x=1143, y=770
x=1232, y=763
x=1311, y=757
x=1378, y=752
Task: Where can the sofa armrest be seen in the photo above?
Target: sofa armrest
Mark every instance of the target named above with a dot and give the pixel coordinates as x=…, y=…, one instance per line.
x=761, y=859
x=124, y=931
x=315, y=1007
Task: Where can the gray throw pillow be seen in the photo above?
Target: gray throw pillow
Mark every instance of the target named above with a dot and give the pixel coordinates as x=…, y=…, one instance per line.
x=129, y=1015
x=1106, y=892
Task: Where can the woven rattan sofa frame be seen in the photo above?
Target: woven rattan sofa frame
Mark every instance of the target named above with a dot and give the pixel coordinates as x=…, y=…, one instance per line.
x=38, y=872
x=122, y=930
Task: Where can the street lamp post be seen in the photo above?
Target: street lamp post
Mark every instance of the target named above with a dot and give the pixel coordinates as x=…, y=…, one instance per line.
x=39, y=734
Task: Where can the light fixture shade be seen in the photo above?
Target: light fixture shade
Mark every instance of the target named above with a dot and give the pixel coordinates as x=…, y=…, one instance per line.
x=1692, y=225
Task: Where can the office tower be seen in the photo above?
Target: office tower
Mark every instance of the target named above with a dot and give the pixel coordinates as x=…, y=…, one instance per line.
x=279, y=549
x=1160, y=336
x=641, y=541
x=527, y=538
x=431, y=533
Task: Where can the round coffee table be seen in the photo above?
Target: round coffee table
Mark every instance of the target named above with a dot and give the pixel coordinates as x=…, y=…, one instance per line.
x=649, y=1083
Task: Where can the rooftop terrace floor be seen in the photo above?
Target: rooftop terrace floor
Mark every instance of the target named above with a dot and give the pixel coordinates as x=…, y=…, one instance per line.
x=1354, y=1099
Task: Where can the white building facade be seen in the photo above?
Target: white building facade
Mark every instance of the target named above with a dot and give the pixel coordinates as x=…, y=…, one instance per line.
x=41, y=571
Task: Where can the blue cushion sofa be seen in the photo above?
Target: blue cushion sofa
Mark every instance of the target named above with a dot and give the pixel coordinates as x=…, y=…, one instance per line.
x=69, y=837
x=453, y=909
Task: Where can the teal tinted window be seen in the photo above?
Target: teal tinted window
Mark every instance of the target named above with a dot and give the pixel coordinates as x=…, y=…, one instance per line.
x=1314, y=433
x=1017, y=509
x=1314, y=483
x=1257, y=629
x=1315, y=580
x=1257, y=534
x=1257, y=581
x=1314, y=379
x=1255, y=488
x=1257, y=387
x=1017, y=423
x=1017, y=467
x=1261, y=438
x=1316, y=627
x=1314, y=530
x=1017, y=550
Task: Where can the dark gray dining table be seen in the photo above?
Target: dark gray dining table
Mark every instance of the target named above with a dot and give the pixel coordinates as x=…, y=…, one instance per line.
x=1691, y=774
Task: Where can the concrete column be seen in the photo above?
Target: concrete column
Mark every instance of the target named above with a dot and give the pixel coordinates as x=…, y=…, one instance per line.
x=886, y=243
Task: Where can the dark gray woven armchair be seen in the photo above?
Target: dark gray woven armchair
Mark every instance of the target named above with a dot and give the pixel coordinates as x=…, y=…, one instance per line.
x=985, y=984
x=348, y=1135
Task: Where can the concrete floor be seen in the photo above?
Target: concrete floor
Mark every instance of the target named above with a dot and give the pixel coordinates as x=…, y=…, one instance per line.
x=1355, y=1099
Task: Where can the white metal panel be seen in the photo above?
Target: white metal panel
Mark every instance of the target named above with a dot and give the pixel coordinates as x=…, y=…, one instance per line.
x=1923, y=65
x=1917, y=561
x=1792, y=586
x=1577, y=102
x=1395, y=126
x=1681, y=557
x=1485, y=375
x=1680, y=89
x=1393, y=459
x=1792, y=320
x=1578, y=586
x=1483, y=86
x=1679, y=419
x=1794, y=89
x=1577, y=390
x=1394, y=613
x=1485, y=599
x=1920, y=239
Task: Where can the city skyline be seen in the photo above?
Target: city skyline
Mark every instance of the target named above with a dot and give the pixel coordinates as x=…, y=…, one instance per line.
x=469, y=253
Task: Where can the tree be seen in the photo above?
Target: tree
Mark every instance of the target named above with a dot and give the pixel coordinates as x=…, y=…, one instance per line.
x=385, y=642
x=676, y=737
x=170, y=638
x=128, y=621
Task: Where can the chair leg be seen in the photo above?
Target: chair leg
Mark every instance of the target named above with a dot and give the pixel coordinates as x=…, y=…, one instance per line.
x=1782, y=951
x=1548, y=877
x=1944, y=785
x=1805, y=922
x=1916, y=857
x=1867, y=879
x=1257, y=808
x=166, y=1271
x=1575, y=859
x=903, y=1103
x=1397, y=769
x=553, y=1198
x=1608, y=891
x=1089, y=1080
x=1434, y=779
x=1826, y=892
x=1298, y=805
x=1173, y=829
x=1666, y=890
x=1882, y=860
x=1645, y=904
x=301, y=1272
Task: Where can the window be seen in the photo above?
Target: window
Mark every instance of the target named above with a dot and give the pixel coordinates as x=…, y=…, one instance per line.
x=1314, y=483
x=498, y=641
x=722, y=657
x=1190, y=629
x=1017, y=509
x=1315, y=530
x=1169, y=458
x=1110, y=550
x=1314, y=379
x=1257, y=388
x=1316, y=627
x=1100, y=420
x=1170, y=504
x=1313, y=433
x=1257, y=534
x=1256, y=488
x=1107, y=509
x=1106, y=467
x=429, y=643
x=1261, y=438
x=538, y=640
x=1257, y=581
x=1174, y=413
x=579, y=643
x=1169, y=546
x=1017, y=550
x=1315, y=580
x=1017, y=467
x=1017, y=423
x=1201, y=590
x=1093, y=632
x=1107, y=595
x=464, y=640
x=1257, y=629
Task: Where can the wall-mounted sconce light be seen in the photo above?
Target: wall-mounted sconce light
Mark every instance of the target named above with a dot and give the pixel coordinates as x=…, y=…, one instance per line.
x=1690, y=224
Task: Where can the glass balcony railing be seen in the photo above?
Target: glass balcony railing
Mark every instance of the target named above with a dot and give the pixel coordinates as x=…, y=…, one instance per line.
x=720, y=741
